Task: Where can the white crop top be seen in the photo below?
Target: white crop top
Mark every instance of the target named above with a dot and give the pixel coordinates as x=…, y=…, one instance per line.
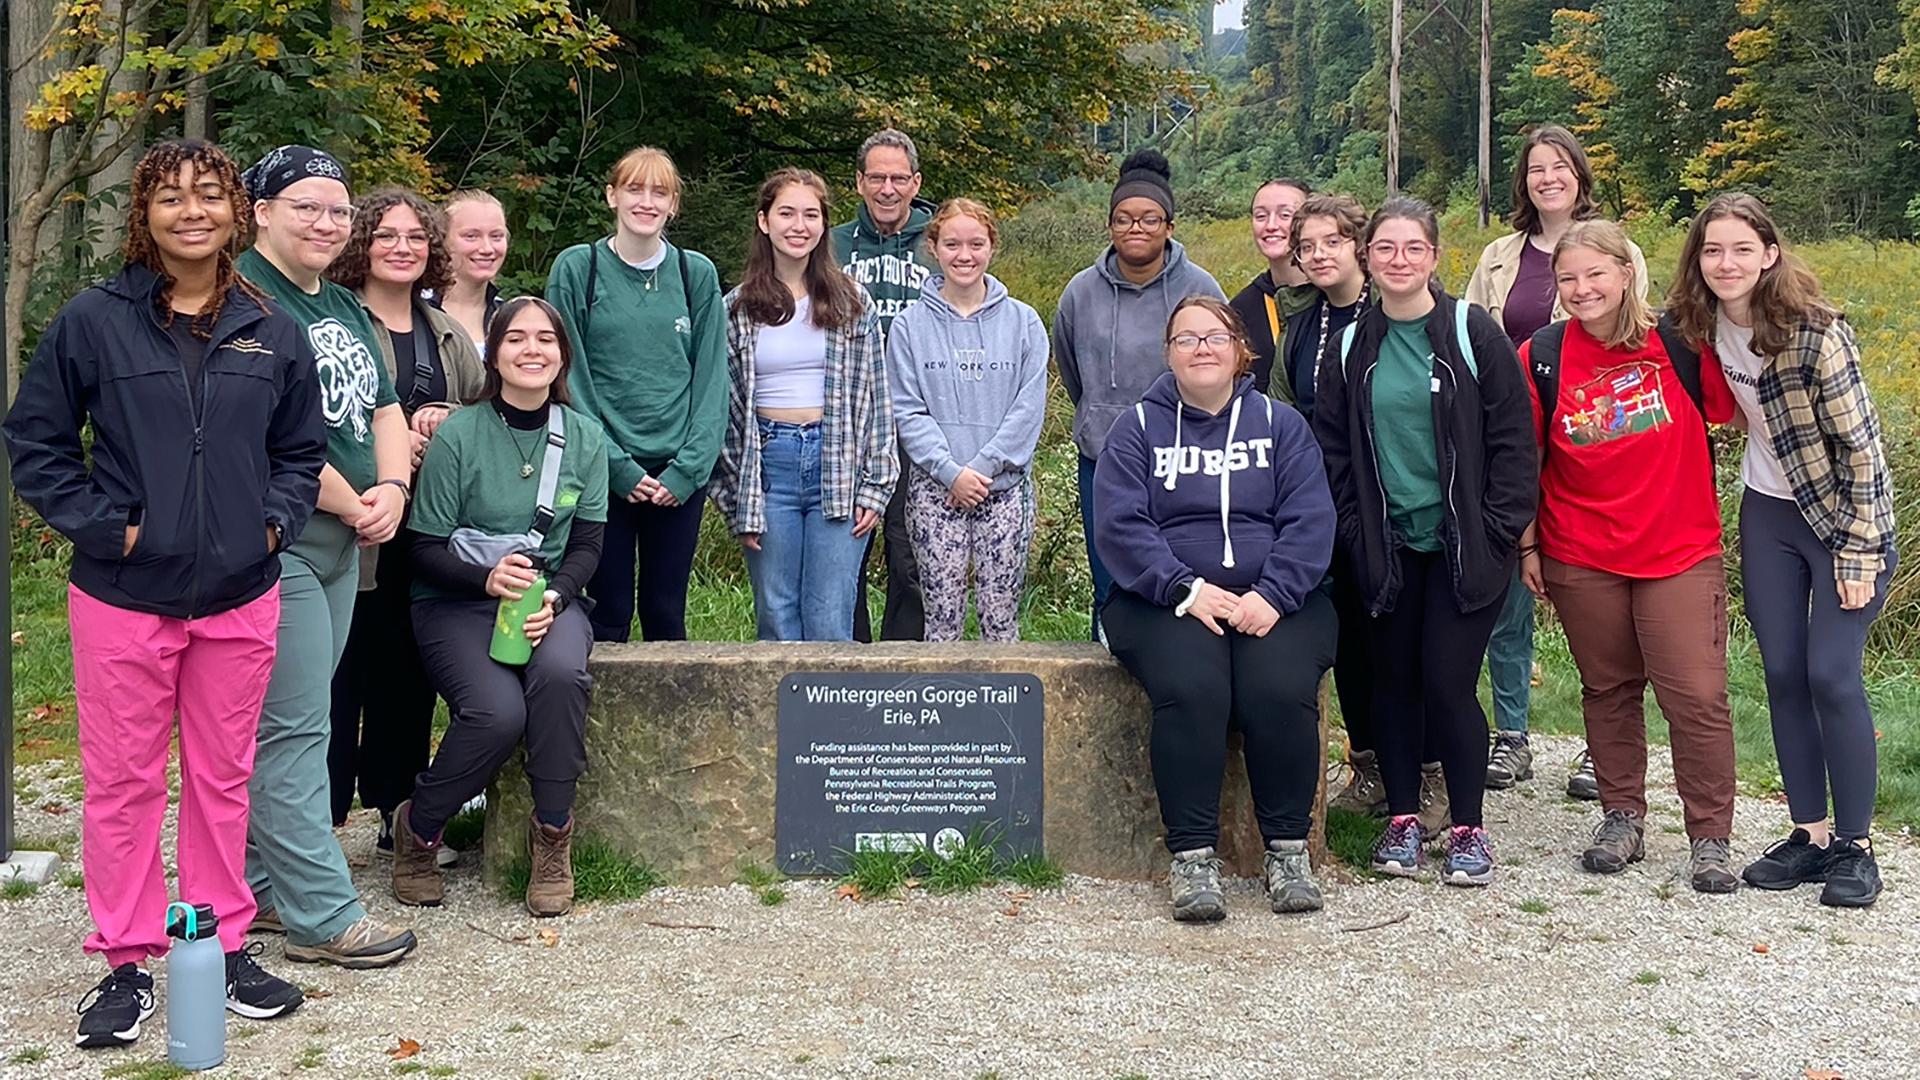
x=790, y=362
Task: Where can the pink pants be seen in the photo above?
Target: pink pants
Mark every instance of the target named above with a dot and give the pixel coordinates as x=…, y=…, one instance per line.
x=131, y=673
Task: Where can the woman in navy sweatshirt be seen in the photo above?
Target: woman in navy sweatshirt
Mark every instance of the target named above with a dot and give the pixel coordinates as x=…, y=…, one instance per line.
x=1217, y=524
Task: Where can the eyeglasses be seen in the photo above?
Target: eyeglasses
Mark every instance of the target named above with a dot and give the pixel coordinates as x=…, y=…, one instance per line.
x=390, y=238
x=1126, y=224
x=307, y=212
x=1187, y=343
x=1385, y=250
x=1330, y=245
x=898, y=180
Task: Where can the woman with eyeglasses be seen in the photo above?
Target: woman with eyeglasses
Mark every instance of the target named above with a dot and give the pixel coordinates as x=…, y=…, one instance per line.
x=1424, y=417
x=1217, y=525
x=303, y=213
x=477, y=240
x=1282, y=287
x=1108, y=327
x=1552, y=189
x=396, y=251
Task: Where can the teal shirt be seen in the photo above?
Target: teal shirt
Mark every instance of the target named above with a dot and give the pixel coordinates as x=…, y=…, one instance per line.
x=651, y=371
x=346, y=360
x=1403, y=437
x=471, y=479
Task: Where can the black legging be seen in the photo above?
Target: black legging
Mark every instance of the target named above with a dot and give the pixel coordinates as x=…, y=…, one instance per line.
x=1271, y=690
x=1353, y=659
x=645, y=561
x=382, y=701
x=1427, y=658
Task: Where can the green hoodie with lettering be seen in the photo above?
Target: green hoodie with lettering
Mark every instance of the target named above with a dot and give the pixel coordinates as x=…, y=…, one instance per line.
x=893, y=268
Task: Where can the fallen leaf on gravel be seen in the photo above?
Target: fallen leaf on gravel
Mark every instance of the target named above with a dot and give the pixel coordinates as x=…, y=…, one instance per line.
x=1824, y=1074
x=1017, y=896
x=849, y=891
x=1012, y=912
x=549, y=938
x=314, y=993
x=406, y=1049
x=912, y=883
x=1761, y=948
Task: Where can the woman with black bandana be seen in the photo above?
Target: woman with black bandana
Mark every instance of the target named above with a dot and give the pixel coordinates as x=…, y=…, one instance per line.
x=397, y=252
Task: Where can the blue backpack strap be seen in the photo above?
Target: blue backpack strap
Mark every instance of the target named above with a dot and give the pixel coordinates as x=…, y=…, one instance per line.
x=1346, y=343
x=1460, y=336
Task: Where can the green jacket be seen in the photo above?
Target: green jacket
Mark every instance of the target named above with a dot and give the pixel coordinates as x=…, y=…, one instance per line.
x=893, y=268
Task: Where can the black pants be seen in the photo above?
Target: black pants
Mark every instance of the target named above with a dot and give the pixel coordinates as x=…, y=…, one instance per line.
x=1202, y=683
x=645, y=561
x=1353, y=659
x=382, y=701
x=906, y=616
x=1427, y=657
x=496, y=707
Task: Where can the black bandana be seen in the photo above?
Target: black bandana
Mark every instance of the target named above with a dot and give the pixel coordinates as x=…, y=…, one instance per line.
x=287, y=165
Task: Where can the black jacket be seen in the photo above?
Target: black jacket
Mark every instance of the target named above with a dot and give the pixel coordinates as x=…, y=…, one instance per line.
x=1251, y=304
x=1483, y=431
x=203, y=488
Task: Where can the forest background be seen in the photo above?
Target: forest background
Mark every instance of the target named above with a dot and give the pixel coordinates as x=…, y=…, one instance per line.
x=1026, y=104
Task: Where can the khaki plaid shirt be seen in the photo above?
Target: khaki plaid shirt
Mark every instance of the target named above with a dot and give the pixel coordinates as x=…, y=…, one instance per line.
x=1823, y=428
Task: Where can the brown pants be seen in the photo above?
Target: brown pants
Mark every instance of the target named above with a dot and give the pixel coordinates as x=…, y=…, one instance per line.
x=1625, y=632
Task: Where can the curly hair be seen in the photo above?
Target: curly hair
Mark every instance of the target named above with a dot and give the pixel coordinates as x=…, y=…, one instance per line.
x=350, y=268
x=160, y=166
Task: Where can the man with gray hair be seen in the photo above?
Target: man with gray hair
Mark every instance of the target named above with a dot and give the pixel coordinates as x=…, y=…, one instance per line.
x=881, y=249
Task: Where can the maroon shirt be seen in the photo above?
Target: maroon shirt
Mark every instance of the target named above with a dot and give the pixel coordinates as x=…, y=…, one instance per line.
x=1529, y=304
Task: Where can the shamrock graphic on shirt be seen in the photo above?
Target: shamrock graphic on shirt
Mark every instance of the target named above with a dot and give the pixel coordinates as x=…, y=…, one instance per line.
x=349, y=381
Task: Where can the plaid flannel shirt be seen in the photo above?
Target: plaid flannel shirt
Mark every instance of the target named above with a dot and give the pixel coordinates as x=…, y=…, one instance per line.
x=859, y=462
x=1824, y=430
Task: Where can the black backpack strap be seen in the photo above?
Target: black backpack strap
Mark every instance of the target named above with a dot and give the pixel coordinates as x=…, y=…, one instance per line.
x=1685, y=360
x=1543, y=363
x=424, y=348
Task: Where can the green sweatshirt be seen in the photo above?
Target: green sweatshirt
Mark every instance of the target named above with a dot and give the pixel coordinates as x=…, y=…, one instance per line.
x=893, y=268
x=651, y=371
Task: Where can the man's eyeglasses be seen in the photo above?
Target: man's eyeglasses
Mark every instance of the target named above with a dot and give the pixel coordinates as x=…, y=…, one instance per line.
x=307, y=212
x=898, y=180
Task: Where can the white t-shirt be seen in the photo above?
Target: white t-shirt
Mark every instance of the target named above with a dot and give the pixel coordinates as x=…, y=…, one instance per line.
x=790, y=362
x=1760, y=467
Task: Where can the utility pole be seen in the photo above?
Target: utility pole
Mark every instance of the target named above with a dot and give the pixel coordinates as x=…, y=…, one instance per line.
x=1486, y=110
x=1393, y=105
x=6, y=490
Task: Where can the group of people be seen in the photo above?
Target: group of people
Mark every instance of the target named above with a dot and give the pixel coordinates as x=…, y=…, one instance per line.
x=1343, y=468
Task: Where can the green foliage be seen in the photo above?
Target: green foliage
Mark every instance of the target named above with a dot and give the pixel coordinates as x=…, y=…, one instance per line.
x=981, y=861
x=463, y=830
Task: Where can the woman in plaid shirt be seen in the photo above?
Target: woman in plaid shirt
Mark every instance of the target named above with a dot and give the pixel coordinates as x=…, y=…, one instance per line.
x=809, y=461
x=1816, y=529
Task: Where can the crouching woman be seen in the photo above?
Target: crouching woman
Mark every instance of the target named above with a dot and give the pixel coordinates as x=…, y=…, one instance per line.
x=511, y=492
x=1217, y=525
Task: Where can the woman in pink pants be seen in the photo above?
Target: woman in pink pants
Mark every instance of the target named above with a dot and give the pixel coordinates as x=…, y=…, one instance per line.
x=206, y=456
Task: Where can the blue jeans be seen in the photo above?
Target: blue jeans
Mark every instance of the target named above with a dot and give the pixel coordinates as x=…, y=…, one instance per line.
x=808, y=567
x=1102, y=581
x=1510, y=659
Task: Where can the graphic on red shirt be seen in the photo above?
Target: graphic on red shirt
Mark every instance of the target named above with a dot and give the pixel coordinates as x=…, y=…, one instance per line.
x=1617, y=402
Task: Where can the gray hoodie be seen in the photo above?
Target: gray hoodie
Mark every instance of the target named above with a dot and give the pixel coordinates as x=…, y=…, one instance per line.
x=969, y=392
x=1109, y=337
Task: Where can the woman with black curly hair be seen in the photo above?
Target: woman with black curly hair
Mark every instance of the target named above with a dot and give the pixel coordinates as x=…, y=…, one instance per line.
x=206, y=456
x=395, y=253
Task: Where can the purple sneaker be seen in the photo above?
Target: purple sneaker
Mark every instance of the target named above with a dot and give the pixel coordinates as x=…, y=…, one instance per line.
x=1469, y=857
x=1399, y=851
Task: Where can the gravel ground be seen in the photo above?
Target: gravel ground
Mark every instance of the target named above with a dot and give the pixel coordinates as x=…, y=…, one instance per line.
x=1549, y=973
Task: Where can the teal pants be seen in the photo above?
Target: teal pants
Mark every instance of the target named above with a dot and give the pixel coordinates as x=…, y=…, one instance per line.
x=1510, y=659
x=294, y=864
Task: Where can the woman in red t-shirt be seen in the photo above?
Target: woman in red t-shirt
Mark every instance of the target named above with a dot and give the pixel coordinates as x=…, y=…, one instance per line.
x=1627, y=546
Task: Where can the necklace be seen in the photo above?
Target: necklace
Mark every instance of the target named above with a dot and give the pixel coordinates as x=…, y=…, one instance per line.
x=1326, y=314
x=526, y=457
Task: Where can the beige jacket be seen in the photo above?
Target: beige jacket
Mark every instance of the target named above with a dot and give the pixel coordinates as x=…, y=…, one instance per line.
x=466, y=379
x=1499, y=266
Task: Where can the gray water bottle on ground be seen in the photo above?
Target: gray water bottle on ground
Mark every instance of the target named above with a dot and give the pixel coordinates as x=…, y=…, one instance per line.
x=196, y=988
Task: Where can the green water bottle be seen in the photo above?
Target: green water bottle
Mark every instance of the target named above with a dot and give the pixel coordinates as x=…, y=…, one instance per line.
x=510, y=644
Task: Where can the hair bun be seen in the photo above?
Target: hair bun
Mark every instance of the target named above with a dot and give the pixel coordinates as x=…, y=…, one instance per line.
x=1147, y=160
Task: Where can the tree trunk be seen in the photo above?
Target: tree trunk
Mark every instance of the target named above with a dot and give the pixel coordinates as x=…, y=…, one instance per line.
x=194, y=124
x=107, y=190
x=1393, y=105
x=1486, y=111
x=32, y=34
x=350, y=16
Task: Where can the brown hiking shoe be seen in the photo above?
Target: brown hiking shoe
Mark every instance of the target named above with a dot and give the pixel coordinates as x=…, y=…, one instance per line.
x=1711, y=866
x=1436, y=811
x=368, y=943
x=266, y=921
x=1366, y=791
x=1620, y=839
x=550, y=885
x=417, y=881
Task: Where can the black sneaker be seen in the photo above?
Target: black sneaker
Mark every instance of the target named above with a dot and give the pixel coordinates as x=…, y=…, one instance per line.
x=1788, y=863
x=254, y=993
x=1853, y=877
x=383, y=844
x=111, y=1012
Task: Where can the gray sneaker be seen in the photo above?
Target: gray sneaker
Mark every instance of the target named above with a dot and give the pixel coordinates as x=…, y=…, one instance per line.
x=1620, y=839
x=368, y=943
x=1712, y=866
x=1194, y=882
x=1583, y=784
x=1366, y=790
x=1436, y=812
x=1290, y=884
x=1511, y=760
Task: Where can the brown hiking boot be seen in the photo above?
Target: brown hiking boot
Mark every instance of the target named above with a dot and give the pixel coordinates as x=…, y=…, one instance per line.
x=368, y=943
x=417, y=881
x=1620, y=840
x=1366, y=792
x=1711, y=865
x=550, y=885
x=1436, y=810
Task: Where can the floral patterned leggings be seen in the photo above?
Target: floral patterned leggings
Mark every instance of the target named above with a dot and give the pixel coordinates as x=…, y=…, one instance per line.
x=991, y=538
